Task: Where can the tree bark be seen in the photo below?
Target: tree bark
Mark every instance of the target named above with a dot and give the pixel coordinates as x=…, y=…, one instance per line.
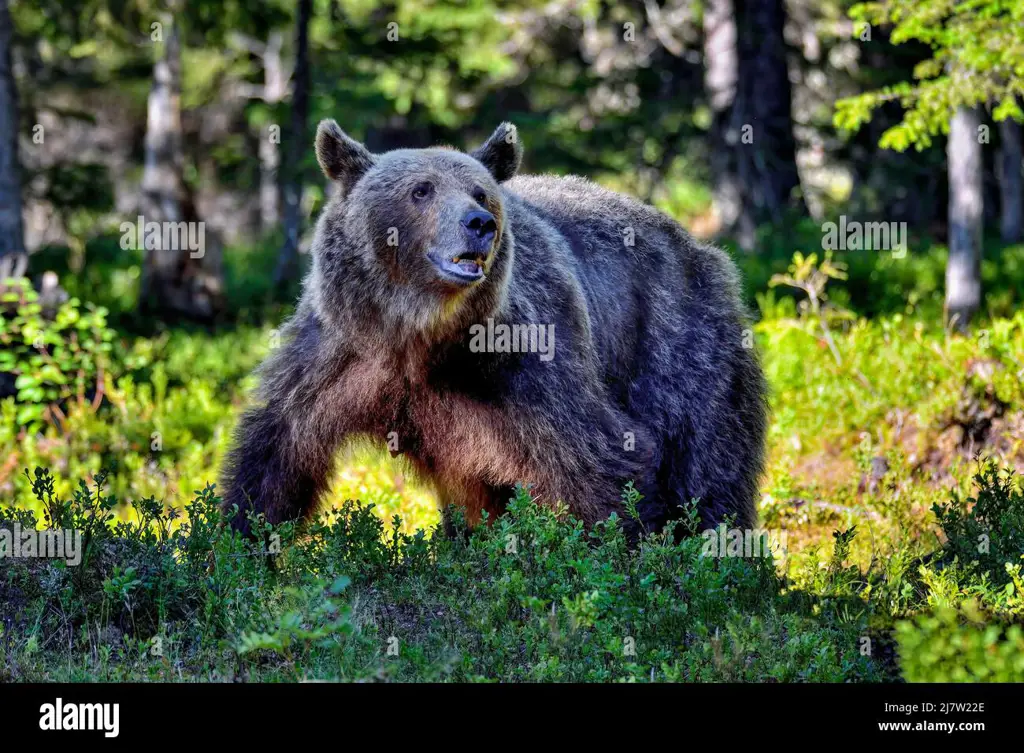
x=287, y=262
x=721, y=73
x=765, y=75
x=162, y=184
x=966, y=205
x=12, y=238
x=275, y=88
x=270, y=190
x=753, y=150
x=1011, y=182
x=177, y=280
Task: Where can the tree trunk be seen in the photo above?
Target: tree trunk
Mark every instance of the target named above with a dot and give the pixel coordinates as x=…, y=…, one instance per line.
x=753, y=150
x=721, y=71
x=270, y=190
x=764, y=73
x=287, y=262
x=11, y=233
x=1011, y=182
x=180, y=274
x=275, y=89
x=963, y=269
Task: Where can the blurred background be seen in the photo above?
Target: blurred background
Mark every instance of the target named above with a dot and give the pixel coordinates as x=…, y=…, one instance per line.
x=791, y=133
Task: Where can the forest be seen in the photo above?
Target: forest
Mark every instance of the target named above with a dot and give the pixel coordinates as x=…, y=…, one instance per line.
x=861, y=163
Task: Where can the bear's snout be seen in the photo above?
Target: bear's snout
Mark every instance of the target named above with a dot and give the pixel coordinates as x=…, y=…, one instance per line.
x=480, y=227
x=465, y=262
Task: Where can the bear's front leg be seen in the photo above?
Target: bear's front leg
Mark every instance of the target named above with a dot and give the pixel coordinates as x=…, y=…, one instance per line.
x=274, y=469
x=283, y=451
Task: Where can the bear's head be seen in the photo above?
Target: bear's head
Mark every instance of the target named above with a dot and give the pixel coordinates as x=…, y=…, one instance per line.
x=418, y=234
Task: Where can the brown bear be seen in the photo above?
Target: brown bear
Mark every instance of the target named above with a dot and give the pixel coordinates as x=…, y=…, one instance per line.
x=498, y=330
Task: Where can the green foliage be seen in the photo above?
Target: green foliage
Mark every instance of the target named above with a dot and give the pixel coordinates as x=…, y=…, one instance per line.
x=250, y=293
x=162, y=424
x=51, y=361
x=531, y=597
x=102, y=273
x=978, y=59
x=986, y=530
x=835, y=376
x=810, y=277
x=960, y=646
x=883, y=284
x=332, y=622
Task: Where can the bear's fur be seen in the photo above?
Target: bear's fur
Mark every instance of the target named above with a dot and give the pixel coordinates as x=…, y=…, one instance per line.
x=652, y=380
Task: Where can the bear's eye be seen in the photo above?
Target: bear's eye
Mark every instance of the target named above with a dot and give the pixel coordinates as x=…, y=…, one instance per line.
x=480, y=196
x=422, y=191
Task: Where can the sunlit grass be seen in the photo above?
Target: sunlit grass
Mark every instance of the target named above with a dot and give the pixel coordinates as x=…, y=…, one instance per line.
x=369, y=474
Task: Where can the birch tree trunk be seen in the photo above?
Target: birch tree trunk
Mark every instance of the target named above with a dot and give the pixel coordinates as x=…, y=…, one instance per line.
x=963, y=269
x=275, y=89
x=178, y=279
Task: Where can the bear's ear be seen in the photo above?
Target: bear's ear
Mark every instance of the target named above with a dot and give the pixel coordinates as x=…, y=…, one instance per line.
x=341, y=158
x=502, y=153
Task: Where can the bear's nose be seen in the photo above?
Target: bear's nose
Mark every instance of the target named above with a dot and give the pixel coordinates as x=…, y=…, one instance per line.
x=480, y=224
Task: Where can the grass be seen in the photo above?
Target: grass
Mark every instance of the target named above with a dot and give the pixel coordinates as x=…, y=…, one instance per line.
x=532, y=597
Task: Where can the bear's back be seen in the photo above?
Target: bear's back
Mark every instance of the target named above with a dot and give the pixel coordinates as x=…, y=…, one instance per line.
x=616, y=244
x=649, y=286
x=577, y=206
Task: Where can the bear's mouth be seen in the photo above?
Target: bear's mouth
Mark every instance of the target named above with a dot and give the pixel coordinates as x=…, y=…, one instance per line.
x=463, y=268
